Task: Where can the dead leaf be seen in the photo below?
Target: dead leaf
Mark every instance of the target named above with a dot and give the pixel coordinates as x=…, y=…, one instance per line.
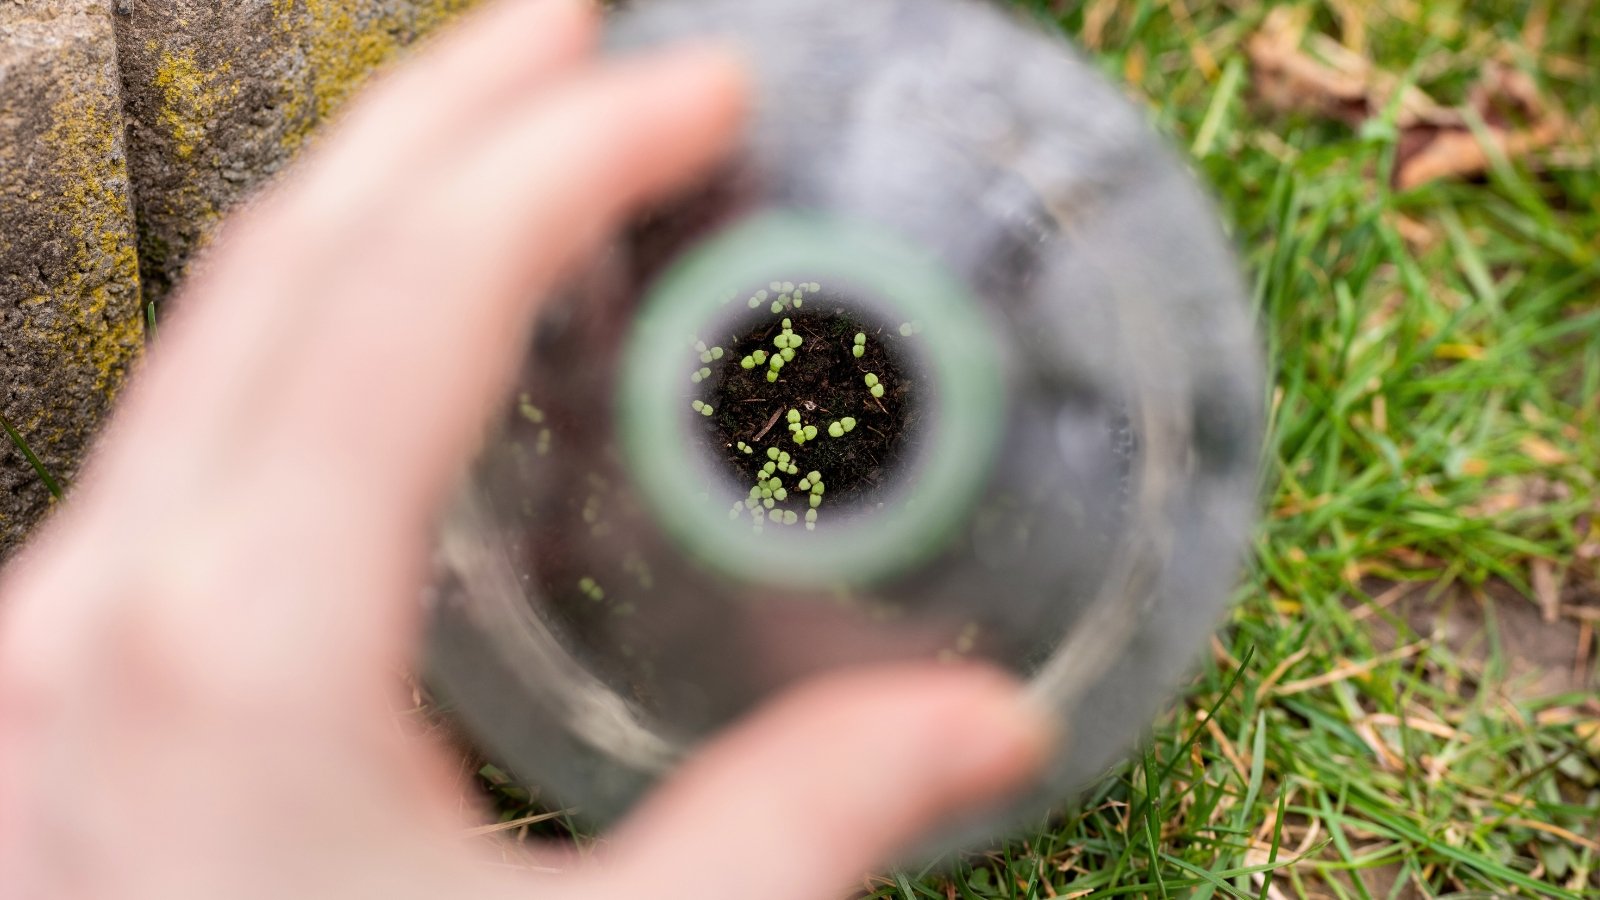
x=1310, y=72
x=1542, y=451
x=1546, y=588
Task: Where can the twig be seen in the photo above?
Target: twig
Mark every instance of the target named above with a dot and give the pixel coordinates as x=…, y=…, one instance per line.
x=770, y=422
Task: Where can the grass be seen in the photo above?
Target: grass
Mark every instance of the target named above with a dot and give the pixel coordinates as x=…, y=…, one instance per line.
x=1436, y=362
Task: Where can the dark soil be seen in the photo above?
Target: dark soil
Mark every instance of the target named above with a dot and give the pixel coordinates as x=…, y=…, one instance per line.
x=826, y=383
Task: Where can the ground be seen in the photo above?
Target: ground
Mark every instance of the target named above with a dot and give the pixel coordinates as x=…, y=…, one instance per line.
x=1403, y=703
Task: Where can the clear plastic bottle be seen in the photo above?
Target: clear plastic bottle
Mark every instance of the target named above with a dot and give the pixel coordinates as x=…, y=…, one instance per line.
x=1056, y=472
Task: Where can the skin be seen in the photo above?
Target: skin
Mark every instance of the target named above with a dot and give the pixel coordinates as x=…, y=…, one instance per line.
x=198, y=656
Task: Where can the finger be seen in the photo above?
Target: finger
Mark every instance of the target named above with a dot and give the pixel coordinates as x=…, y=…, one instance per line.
x=403, y=369
x=831, y=781
x=457, y=87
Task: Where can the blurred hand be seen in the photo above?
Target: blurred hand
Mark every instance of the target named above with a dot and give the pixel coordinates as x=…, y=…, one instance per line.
x=198, y=656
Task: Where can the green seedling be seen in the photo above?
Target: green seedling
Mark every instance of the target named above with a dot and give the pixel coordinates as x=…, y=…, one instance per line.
x=818, y=488
x=766, y=493
x=877, y=391
x=737, y=509
x=775, y=484
x=772, y=454
x=700, y=346
x=788, y=354
x=752, y=503
x=811, y=515
x=768, y=469
x=789, y=517
x=780, y=495
x=777, y=307
x=814, y=477
x=804, y=486
x=848, y=423
x=836, y=430
x=696, y=378
x=816, y=500
x=794, y=417
x=706, y=357
x=872, y=380
x=772, y=376
x=747, y=363
x=697, y=406
x=706, y=410
x=769, y=502
x=783, y=458
x=861, y=338
x=787, y=324
x=811, y=432
x=717, y=353
x=760, y=357
x=755, y=493
x=858, y=351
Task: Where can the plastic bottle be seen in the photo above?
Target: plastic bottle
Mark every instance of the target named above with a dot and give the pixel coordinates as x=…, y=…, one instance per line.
x=1062, y=460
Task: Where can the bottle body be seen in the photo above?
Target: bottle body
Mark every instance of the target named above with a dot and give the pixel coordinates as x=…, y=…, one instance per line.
x=1051, y=464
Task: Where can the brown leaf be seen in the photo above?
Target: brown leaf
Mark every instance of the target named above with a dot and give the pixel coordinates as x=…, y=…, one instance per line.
x=1312, y=73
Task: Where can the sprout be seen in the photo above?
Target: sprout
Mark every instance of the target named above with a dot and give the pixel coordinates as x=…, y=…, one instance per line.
x=816, y=500
x=769, y=468
x=706, y=410
x=697, y=378
x=836, y=430
x=780, y=495
x=705, y=372
x=877, y=390
x=872, y=380
x=861, y=338
x=717, y=353
x=811, y=515
x=772, y=376
x=814, y=477
x=858, y=351
x=706, y=357
x=752, y=503
x=783, y=458
x=768, y=502
x=762, y=296
x=734, y=513
x=798, y=303
x=777, y=362
x=755, y=303
x=794, y=416
x=848, y=423
x=586, y=584
x=818, y=488
x=815, y=287
x=699, y=346
x=760, y=357
x=788, y=353
x=804, y=486
x=811, y=432
x=766, y=493
x=789, y=517
x=775, y=286
x=758, y=514
x=787, y=325
x=772, y=453
x=788, y=286
x=697, y=405
x=800, y=436
x=755, y=493
x=776, y=485
x=777, y=307
x=747, y=363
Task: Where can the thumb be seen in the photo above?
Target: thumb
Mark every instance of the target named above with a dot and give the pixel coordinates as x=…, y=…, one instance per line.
x=801, y=801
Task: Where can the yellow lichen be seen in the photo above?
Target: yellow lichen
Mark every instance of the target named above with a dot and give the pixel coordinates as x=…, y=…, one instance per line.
x=190, y=98
x=94, y=328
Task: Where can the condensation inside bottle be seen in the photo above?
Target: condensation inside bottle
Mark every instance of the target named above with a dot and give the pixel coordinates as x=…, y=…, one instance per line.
x=1079, y=413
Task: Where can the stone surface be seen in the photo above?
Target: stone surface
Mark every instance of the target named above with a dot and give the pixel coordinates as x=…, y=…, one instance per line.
x=211, y=97
x=70, y=323
x=220, y=95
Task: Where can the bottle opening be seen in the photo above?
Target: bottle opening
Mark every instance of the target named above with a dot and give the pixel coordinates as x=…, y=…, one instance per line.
x=800, y=386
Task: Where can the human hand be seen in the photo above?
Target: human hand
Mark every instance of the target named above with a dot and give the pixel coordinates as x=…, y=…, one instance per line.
x=198, y=657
